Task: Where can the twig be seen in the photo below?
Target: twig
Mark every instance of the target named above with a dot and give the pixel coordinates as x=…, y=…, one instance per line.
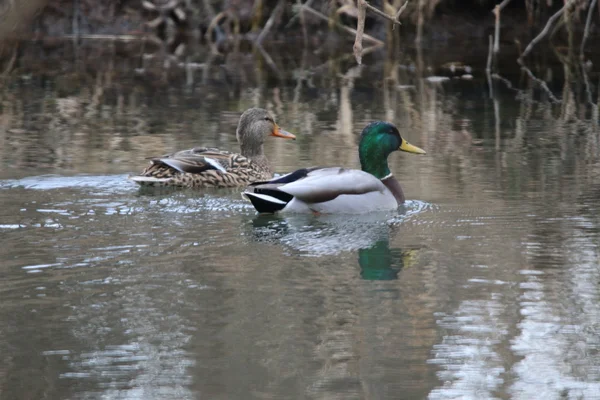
x=91, y=36
x=543, y=33
x=75, y=23
x=269, y=60
x=207, y=8
x=488, y=68
x=497, y=29
x=497, y=11
x=299, y=13
x=382, y=14
x=303, y=25
x=360, y=30
x=400, y=11
x=11, y=62
x=542, y=84
x=586, y=32
x=420, y=22
x=362, y=6
x=503, y=4
x=586, y=82
x=208, y=35
x=274, y=15
x=505, y=81
x=343, y=27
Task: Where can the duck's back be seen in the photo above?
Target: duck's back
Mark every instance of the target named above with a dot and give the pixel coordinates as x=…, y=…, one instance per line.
x=202, y=167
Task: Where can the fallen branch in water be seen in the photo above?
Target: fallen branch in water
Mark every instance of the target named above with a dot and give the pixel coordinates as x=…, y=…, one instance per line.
x=543, y=33
x=363, y=5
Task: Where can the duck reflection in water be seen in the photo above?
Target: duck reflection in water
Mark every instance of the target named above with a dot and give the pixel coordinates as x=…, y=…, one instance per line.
x=382, y=263
x=368, y=235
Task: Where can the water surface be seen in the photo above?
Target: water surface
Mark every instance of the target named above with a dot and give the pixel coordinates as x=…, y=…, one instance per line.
x=484, y=285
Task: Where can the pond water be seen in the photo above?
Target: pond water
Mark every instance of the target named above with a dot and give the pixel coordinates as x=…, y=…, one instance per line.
x=486, y=284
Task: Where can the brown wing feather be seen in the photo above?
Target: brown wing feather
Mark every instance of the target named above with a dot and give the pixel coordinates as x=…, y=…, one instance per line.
x=193, y=161
x=190, y=168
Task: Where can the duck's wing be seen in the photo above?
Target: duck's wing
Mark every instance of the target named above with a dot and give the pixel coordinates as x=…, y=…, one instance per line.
x=311, y=186
x=325, y=184
x=195, y=161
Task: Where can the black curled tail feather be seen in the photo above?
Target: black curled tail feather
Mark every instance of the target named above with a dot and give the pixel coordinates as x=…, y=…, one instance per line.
x=263, y=205
x=268, y=200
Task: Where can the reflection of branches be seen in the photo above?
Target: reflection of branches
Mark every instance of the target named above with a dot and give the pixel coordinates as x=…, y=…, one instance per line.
x=587, y=84
x=505, y=81
x=542, y=84
x=510, y=86
x=269, y=60
x=11, y=62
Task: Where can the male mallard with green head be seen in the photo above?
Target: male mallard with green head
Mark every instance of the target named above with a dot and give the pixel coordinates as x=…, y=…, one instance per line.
x=337, y=189
x=211, y=167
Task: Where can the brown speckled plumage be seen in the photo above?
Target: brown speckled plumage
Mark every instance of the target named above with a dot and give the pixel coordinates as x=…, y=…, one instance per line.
x=210, y=167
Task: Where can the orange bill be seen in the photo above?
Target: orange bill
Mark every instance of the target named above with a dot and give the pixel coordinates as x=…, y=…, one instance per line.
x=277, y=131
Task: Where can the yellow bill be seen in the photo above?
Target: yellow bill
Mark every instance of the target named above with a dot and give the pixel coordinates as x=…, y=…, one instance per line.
x=405, y=146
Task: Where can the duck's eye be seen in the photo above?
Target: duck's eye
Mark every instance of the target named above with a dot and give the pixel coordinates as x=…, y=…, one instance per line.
x=267, y=119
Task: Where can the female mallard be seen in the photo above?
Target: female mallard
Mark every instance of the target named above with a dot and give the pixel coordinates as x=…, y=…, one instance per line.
x=337, y=189
x=211, y=167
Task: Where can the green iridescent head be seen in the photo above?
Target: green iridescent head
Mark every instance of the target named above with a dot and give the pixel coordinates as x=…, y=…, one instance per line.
x=377, y=141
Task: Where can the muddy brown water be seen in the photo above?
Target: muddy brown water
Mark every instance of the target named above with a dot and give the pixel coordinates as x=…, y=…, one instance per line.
x=484, y=285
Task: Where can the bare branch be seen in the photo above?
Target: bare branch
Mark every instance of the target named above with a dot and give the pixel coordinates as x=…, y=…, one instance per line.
x=270, y=21
x=298, y=14
x=543, y=33
x=503, y=4
x=343, y=27
x=401, y=10
x=586, y=32
x=362, y=7
x=382, y=14
x=360, y=29
x=269, y=60
x=488, y=68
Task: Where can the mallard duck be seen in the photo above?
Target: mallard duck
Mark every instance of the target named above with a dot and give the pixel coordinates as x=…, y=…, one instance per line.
x=337, y=189
x=211, y=167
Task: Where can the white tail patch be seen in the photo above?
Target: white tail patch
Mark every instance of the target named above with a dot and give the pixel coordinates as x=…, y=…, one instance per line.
x=264, y=197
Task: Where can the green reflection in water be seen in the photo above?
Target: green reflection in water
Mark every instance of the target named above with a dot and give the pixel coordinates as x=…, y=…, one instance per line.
x=382, y=263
